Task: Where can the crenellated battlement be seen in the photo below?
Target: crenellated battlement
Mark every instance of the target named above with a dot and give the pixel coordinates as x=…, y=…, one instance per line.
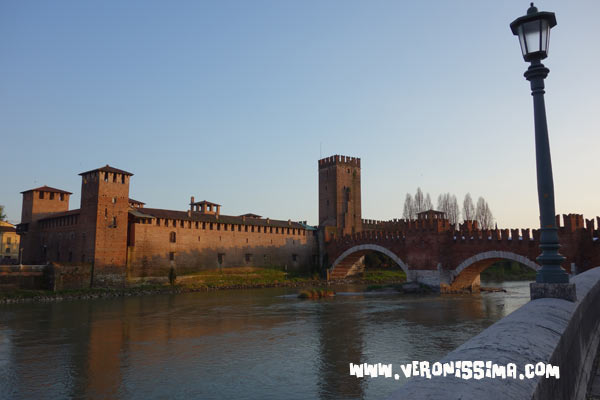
x=339, y=160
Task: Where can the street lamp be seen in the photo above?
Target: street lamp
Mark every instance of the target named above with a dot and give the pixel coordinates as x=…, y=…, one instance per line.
x=533, y=31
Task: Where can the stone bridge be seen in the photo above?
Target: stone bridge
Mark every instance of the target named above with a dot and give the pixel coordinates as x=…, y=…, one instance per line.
x=453, y=259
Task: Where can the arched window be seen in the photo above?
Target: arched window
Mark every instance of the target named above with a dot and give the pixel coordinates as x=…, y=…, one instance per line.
x=173, y=237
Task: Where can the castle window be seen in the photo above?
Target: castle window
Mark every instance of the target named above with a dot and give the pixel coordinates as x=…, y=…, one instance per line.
x=220, y=258
x=114, y=177
x=232, y=227
x=245, y=228
x=196, y=224
x=105, y=212
x=181, y=223
x=62, y=197
x=172, y=237
x=248, y=257
x=239, y=228
x=172, y=256
x=252, y=228
x=114, y=200
x=211, y=226
x=51, y=196
x=106, y=177
x=204, y=225
x=166, y=222
x=123, y=178
x=157, y=221
x=41, y=195
x=114, y=223
x=294, y=257
x=276, y=230
x=218, y=226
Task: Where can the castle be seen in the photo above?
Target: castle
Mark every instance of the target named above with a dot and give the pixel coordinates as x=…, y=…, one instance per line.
x=116, y=238
x=119, y=237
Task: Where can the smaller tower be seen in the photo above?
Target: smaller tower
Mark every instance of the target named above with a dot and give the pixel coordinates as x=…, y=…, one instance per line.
x=43, y=201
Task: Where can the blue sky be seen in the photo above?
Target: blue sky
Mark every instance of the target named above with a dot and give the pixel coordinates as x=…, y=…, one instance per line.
x=235, y=101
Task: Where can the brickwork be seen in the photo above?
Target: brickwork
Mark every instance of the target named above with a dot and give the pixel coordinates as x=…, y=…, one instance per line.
x=339, y=195
x=190, y=245
x=113, y=237
x=426, y=248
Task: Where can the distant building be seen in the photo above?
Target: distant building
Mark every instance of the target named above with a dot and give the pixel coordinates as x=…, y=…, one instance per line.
x=9, y=241
x=121, y=237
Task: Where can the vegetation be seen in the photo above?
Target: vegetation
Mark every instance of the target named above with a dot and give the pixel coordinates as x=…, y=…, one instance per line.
x=2, y=214
x=378, y=276
x=242, y=277
x=508, y=271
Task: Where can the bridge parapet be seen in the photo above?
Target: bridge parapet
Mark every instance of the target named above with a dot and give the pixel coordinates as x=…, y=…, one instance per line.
x=551, y=331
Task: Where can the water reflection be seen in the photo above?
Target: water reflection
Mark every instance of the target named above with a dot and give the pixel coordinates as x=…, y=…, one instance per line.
x=245, y=344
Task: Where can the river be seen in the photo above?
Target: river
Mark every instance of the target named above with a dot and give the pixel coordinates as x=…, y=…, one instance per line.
x=233, y=344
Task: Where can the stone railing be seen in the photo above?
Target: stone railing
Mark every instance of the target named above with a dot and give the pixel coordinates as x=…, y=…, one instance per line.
x=551, y=331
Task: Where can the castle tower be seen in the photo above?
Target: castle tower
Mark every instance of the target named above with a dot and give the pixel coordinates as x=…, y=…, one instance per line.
x=339, y=196
x=104, y=218
x=43, y=201
x=38, y=203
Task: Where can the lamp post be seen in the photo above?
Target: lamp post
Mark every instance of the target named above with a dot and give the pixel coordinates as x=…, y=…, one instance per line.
x=533, y=31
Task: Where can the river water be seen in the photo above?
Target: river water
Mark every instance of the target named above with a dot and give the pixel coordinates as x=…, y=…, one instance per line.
x=235, y=344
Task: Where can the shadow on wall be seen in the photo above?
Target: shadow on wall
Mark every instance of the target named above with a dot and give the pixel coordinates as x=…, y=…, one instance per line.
x=299, y=258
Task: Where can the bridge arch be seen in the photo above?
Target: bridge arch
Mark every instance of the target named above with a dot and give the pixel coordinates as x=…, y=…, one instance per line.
x=350, y=256
x=466, y=274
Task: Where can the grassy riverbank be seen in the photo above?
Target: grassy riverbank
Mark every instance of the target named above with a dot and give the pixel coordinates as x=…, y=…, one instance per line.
x=229, y=278
x=508, y=271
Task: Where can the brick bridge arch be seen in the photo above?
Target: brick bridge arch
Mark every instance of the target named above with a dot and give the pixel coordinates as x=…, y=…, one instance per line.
x=466, y=275
x=352, y=255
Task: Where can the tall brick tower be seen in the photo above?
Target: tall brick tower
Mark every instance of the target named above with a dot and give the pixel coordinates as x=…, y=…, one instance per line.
x=104, y=217
x=339, y=196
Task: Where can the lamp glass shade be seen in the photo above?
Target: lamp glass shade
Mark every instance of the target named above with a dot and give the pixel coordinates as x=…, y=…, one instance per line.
x=534, y=37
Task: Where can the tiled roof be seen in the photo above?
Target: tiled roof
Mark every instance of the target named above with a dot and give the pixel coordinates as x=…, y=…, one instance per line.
x=47, y=189
x=4, y=228
x=108, y=168
x=224, y=219
x=205, y=202
x=136, y=201
x=61, y=214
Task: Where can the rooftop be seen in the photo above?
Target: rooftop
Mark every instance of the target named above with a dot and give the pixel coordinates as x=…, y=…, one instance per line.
x=47, y=189
x=108, y=168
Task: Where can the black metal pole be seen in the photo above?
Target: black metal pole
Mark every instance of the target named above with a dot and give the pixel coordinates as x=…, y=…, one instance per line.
x=550, y=259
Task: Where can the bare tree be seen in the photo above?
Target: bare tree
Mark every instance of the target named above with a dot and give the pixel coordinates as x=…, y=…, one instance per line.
x=409, y=207
x=468, y=208
x=453, y=211
x=419, y=201
x=2, y=215
x=448, y=204
x=483, y=214
x=427, y=204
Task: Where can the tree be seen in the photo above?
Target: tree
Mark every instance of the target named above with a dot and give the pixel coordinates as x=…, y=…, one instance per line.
x=468, y=208
x=448, y=204
x=419, y=201
x=2, y=215
x=409, y=207
x=483, y=214
x=427, y=204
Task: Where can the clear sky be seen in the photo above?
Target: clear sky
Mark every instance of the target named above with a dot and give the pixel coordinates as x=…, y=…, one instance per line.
x=235, y=101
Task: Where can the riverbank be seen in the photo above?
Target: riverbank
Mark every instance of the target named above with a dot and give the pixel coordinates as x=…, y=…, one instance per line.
x=231, y=278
